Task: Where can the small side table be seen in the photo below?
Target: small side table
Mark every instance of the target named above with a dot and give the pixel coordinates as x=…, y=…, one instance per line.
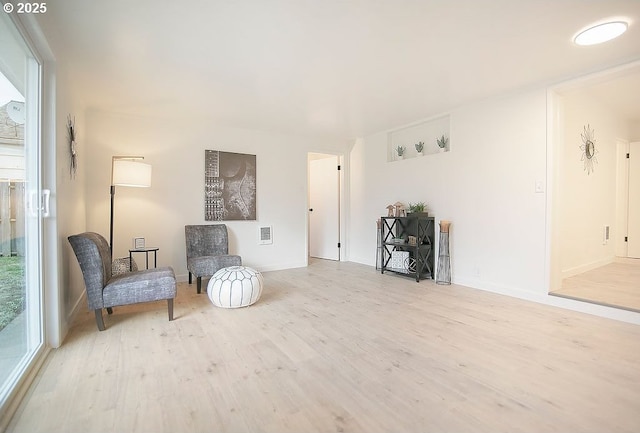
x=146, y=251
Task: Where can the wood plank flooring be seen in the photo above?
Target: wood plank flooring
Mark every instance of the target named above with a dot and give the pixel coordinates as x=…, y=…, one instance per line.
x=340, y=347
x=615, y=285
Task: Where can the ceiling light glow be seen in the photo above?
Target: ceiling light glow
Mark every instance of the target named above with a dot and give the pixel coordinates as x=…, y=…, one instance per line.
x=601, y=33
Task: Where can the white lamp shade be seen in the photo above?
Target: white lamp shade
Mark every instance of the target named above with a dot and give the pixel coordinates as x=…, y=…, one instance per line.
x=131, y=173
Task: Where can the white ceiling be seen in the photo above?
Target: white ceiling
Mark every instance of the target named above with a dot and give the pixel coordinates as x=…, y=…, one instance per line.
x=334, y=68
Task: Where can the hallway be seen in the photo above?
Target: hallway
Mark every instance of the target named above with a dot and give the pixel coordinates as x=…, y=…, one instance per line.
x=616, y=285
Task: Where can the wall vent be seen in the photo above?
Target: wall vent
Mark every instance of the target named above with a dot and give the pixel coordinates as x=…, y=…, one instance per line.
x=265, y=235
x=606, y=234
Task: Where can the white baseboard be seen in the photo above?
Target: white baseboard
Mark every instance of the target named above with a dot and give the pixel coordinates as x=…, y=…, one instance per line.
x=566, y=273
x=181, y=278
x=555, y=301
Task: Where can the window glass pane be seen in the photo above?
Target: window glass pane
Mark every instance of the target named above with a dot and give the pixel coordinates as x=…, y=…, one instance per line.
x=21, y=334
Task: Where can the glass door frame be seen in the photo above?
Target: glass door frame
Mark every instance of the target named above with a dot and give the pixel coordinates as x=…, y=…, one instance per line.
x=16, y=385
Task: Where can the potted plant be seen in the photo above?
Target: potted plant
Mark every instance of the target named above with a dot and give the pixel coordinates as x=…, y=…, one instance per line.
x=442, y=143
x=400, y=151
x=419, y=147
x=417, y=209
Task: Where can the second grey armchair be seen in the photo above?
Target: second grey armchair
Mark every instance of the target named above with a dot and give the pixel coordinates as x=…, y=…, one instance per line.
x=208, y=251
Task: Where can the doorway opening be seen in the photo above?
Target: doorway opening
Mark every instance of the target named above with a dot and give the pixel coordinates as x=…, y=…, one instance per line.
x=324, y=206
x=591, y=207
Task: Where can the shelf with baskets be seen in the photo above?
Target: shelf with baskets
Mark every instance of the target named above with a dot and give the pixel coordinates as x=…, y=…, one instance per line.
x=407, y=245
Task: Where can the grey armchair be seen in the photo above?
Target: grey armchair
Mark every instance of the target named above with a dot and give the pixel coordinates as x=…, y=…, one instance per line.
x=106, y=291
x=208, y=251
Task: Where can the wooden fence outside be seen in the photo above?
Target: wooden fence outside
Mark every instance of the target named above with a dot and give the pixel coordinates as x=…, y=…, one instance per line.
x=12, y=208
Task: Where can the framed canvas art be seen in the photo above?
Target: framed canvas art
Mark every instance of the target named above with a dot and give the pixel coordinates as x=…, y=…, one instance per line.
x=229, y=186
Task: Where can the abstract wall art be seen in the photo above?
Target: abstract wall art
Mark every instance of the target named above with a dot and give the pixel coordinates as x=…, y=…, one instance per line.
x=588, y=149
x=229, y=186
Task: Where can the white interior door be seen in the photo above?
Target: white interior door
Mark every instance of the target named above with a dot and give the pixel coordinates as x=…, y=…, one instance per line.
x=324, y=207
x=633, y=221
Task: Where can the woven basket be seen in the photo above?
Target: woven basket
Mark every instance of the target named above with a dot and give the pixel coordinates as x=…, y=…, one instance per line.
x=121, y=266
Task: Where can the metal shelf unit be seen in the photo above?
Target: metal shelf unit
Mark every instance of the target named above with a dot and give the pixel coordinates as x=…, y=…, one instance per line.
x=394, y=235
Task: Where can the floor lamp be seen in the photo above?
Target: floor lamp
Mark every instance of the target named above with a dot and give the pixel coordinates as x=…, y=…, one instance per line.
x=127, y=171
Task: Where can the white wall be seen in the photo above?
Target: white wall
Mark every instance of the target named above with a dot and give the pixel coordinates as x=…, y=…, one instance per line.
x=63, y=278
x=485, y=185
x=634, y=131
x=175, y=149
x=587, y=202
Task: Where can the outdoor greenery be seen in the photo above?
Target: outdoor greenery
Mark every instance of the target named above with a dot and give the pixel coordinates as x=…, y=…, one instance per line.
x=12, y=289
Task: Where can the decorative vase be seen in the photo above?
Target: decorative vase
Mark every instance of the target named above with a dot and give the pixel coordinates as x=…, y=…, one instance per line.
x=400, y=157
x=444, y=260
x=443, y=149
x=379, y=249
x=420, y=153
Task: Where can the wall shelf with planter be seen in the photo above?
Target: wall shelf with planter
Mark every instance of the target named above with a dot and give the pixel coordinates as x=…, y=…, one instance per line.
x=427, y=132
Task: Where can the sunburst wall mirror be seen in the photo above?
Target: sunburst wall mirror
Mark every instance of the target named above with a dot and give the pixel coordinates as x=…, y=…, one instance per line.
x=588, y=149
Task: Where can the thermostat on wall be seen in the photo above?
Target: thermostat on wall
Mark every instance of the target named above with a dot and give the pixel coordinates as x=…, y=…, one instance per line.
x=138, y=243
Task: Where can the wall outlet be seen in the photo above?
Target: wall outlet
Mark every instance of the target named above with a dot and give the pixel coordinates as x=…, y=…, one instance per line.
x=606, y=235
x=539, y=188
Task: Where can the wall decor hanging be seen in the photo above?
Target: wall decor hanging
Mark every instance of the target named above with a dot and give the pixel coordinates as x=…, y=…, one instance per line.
x=73, y=153
x=229, y=186
x=588, y=149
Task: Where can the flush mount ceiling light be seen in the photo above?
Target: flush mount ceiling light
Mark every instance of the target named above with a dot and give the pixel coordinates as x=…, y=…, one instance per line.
x=601, y=33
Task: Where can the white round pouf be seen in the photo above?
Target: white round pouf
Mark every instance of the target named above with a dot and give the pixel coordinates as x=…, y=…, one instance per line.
x=234, y=287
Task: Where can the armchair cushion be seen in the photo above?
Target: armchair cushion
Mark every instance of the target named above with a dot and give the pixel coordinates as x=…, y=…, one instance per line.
x=142, y=286
x=209, y=265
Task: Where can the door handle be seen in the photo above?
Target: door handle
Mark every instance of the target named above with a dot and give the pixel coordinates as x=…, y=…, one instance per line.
x=46, y=195
x=310, y=210
x=42, y=205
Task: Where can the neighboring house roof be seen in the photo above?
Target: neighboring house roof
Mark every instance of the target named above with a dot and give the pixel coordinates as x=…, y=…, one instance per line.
x=11, y=147
x=10, y=131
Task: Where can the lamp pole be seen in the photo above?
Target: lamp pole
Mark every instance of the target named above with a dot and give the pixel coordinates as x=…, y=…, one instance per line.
x=113, y=196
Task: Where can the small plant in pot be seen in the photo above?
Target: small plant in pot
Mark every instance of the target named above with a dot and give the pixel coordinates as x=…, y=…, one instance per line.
x=419, y=147
x=417, y=209
x=400, y=151
x=442, y=143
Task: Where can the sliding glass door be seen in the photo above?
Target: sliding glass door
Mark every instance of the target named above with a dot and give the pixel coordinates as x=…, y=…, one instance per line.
x=22, y=207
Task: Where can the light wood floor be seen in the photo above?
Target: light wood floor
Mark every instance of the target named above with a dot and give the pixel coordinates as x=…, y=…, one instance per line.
x=339, y=347
x=616, y=285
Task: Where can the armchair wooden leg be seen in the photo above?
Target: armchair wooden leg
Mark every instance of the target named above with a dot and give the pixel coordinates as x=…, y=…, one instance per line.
x=170, y=304
x=199, y=281
x=99, y=320
x=189, y=277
